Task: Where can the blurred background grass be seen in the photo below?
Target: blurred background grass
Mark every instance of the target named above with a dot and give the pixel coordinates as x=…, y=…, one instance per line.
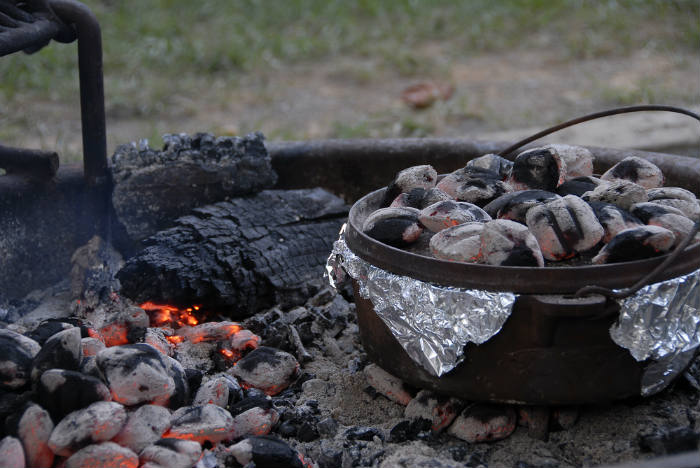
x=157, y=50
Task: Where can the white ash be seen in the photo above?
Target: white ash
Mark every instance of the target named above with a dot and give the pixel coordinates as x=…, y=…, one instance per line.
x=104, y=455
x=97, y=423
x=144, y=426
x=508, y=243
x=577, y=159
x=461, y=243
x=622, y=193
x=170, y=453
x=637, y=170
x=564, y=227
x=450, y=213
x=12, y=453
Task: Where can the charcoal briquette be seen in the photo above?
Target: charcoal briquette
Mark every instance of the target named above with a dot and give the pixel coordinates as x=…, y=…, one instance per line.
x=666, y=217
x=577, y=159
x=578, y=186
x=97, y=423
x=266, y=451
x=47, y=329
x=473, y=185
x=622, y=193
x=424, y=177
x=508, y=243
x=482, y=422
x=537, y=169
x=17, y=353
x=143, y=427
x=33, y=427
x=104, y=455
x=514, y=205
x=450, y=213
x=637, y=170
x=255, y=421
x=170, y=453
x=398, y=227
x=439, y=410
x=636, y=244
x=267, y=369
x=201, y=423
x=12, y=453
x=61, y=351
x=62, y=391
x=388, y=385
x=493, y=163
x=461, y=243
x=614, y=219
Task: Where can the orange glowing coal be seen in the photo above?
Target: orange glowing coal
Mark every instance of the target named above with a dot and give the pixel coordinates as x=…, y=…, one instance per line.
x=227, y=353
x=163, y=314
x=175, y=339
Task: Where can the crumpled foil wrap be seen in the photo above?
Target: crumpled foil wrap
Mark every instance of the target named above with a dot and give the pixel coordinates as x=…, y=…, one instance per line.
x=432, y=323
x=661, y=322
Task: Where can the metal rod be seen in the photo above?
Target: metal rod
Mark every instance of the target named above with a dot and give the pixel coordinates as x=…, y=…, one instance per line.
x=92, y=106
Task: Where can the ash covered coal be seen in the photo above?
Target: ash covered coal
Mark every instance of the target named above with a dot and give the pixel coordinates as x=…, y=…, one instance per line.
x=154, y=187
x=329, y=408
x=241, y=255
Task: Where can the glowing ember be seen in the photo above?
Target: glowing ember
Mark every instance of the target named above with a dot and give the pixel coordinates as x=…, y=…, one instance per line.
x=163, y=314
x=227, y=353
x=175, y=339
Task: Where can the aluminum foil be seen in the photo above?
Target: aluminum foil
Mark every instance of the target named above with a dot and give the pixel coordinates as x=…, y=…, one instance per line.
x=661, y=322
x=432, y=323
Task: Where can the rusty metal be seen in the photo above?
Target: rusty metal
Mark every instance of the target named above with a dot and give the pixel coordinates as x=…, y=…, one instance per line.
x=29, y=26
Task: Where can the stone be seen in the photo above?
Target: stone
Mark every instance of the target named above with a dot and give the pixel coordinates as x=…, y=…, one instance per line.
x=139, y=373
x=473, y=185
x=508, y=243
x=268, y=369
x=104, y=455
x=614, y=219
x=450, y=213
x=170, y=453
x=622, y=193
x=493, y=163
x=201, y=423
x=438, y=409
x=61, y=351
x=483, y=422
x=398, y=227
x=255, y=421
x=539, y=169
x=636, y=244
x=98, y=422
x=143, y=427
x=637, y=170
x=16, y=356
x=461, y=243
x=33, y=427
x=424, y=177
x=515, y=205
x=391, y=387
x=564, y=227
x=62, y=391
x=266, y=452
x=12, y=453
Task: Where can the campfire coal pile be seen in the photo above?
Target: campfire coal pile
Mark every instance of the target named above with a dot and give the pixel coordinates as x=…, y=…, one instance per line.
x=286, y=387
x=564, y=213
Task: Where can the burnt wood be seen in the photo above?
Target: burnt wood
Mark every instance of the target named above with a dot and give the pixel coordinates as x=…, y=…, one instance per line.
x=240, y=256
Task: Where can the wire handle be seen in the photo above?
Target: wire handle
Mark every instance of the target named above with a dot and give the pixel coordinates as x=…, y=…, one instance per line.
x=649, y=277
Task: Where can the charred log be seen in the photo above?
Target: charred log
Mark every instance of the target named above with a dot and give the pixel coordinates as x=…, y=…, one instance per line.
x=240, y=256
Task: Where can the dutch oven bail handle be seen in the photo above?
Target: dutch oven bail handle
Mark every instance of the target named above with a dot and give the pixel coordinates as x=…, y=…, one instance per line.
x=649, y=277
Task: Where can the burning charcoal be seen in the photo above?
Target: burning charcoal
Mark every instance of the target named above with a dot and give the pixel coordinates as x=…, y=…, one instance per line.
x=676, y=197
x=398, y=227
x=145, y=426
x=266, y=451
x=564, y=227
x=666, y=217
x=61, y=351
x=115, y=334
x=636, y=244
x=33, y=426
x=156, y=338
x=461, y=243
x=483, y=422
x=579, y=185
x=514, y=205
x=104, y=455
x=91, y=346
x=388, y=385
x=424, y=177
x=244, y=340
x=450, y=213
x=98, y=422
x=614, y=219
x=577, y=159
x=268, y=369
x=621, y=193
x=138, y=373
x=214, y=391
x=12, y=453
x=260, y=401
x=637, y=170
x=473, y=185
x=209, y=331
x=170, y=453
x=16, y=355
x=62, y=391
x=493, y=163
x=255, y=421
x=507, y=243
x=538, y=168
x=201, y=423
x=440, y=410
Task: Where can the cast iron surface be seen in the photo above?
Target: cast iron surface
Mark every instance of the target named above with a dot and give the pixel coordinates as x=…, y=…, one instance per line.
x=524, y=280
